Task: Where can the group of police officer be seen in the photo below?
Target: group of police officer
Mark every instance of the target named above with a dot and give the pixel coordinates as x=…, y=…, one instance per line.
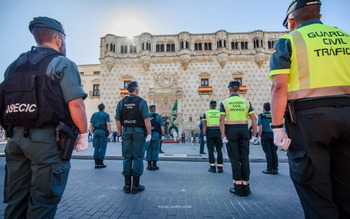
x=42, y=106
x=230, y=126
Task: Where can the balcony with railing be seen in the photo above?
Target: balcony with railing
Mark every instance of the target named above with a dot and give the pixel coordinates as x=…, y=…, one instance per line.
x=205, y=90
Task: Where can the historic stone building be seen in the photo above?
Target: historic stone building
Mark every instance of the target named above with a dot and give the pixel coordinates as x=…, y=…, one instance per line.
x=190, y=68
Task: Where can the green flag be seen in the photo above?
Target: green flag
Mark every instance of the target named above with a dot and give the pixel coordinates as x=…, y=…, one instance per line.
x=173, y=114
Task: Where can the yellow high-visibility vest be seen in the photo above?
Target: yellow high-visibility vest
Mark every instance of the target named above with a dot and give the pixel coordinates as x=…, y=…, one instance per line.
x=236, y=109
x=213, y=118
x=320, y=62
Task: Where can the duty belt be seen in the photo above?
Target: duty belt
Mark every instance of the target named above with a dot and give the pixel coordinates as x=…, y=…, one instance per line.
x=26, y=129
x=320, y=102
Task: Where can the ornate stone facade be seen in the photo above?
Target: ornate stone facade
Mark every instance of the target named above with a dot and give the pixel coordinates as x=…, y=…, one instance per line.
x=170, y=67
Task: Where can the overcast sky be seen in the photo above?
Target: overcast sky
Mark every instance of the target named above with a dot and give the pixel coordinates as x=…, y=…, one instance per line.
x=86, y=21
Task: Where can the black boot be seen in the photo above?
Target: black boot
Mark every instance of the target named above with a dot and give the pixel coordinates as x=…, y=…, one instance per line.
x=127, y=186
x=246, y=190
x=212, y=169
x=220, y=169
x=155, y=167
x=136, y=187
x=102, y=165
x=97, y=164
x=237, y=190
x=149, y=167
x=267, y=171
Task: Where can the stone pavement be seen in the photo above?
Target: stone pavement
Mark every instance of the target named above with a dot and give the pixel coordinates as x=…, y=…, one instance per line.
x=179, y=189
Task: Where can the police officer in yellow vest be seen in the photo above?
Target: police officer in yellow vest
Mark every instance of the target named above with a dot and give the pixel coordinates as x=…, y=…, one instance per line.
x=310, y=69
x=234, y=113
x=212, y=135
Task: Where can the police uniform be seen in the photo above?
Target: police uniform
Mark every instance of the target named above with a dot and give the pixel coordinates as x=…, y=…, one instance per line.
x=99, y=122
x=316, y=58
x=131, y=112
x=201, y=138
x=36, y=176
x=236, y=111
x=270, y=149
x=153, y=146
x=213, y=135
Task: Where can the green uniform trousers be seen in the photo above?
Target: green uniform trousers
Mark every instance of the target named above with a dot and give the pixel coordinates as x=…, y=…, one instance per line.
x=100, y=144
x=152, y=147
x=35, y=176
x=133, y=151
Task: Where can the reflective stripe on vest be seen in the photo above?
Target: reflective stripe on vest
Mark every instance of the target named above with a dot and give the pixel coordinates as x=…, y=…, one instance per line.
x=236, y=109
x=319, y=62
x=213, y=118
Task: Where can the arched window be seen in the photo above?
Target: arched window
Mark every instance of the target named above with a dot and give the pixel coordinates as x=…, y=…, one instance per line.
x=271, y=44
x=132, y=48
x=207, y=46
x=159, y=47
x=234, y=45
x=170, y=47
x=258, y=43
x=198, y=46
x=244, y=45
x=219, y=43
x=123, y=49
x=184, y=45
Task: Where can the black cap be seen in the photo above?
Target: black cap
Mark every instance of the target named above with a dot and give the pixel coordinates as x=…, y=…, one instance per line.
x=132, y=84
x=267, y=106
x=234, y=84
x=151, y=106
x=212, y=102
x=46, y=22
x=297, y=4
x=101, y=106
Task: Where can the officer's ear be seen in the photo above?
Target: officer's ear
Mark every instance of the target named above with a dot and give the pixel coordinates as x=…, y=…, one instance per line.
x=291, y=24
x=58, y=41
x=320, y=16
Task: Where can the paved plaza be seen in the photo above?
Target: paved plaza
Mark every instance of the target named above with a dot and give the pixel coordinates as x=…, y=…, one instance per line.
x=181, y=188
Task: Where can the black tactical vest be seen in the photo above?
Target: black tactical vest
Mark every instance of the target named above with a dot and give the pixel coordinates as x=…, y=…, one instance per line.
x=28, y=96
x=155, y=125
x=131, y=116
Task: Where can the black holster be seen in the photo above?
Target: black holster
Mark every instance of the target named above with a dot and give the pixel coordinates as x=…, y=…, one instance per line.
x=66, y=139
x=290, y=113
x=8, y=130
